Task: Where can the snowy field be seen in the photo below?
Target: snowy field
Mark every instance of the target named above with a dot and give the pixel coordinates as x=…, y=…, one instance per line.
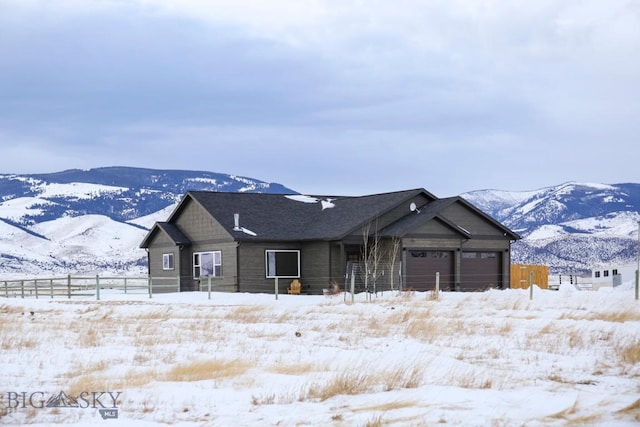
x=565, y=358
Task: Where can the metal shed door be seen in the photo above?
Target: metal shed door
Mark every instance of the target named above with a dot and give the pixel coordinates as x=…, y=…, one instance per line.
x=480, y=271
x=422, y=266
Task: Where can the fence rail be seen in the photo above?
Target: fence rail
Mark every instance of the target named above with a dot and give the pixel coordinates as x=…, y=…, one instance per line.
x=80, y=286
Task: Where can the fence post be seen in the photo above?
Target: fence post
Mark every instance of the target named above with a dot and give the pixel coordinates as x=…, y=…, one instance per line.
x=178, y=283
x=69, y=286
x=150, y=283
x=35, y=285
x=22, y=288
x=438, y=286
x=97, y=287
x=125, y=285
x=276, y=285
x=51, y=287
x=530, y=285
x=353, y=285
x=6, y=289
x=209, y=286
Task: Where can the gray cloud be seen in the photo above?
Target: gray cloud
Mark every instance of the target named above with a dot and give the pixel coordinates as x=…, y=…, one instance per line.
x=327, y=98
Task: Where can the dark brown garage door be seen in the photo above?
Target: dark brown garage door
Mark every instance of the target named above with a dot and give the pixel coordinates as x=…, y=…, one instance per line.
x=422, y=267
x=480, y=271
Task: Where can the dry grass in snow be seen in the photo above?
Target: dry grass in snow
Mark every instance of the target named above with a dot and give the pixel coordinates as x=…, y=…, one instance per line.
x=485, y=359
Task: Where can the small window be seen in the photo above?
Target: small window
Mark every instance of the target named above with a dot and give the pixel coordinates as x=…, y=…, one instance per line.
x=167, y=262
x=418, y=254
x=606, y=273
x=597, y=274
x=207, y=264
x=488, y=255
x=282, y=263
x=614, y=271
x=439, y=254
x=469, y=255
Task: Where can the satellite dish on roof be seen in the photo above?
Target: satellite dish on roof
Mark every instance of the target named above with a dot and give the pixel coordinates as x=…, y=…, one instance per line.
x=414, y=208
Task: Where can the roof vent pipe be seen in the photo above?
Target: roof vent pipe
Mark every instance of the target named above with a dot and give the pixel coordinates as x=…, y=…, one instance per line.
x=236, y=222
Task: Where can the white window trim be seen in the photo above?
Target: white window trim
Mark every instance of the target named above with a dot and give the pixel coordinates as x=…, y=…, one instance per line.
x=214, y=262
x=266, y=263
x=168, y=259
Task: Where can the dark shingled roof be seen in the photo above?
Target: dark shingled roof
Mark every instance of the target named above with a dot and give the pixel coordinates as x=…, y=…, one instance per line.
x=170, y=230
x=285, y=218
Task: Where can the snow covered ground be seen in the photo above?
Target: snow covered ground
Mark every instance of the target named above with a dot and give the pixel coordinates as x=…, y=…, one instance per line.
x=565, y=358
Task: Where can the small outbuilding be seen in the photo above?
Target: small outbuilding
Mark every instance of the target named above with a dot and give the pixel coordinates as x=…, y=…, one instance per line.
x=612, y=275
x=399, y=240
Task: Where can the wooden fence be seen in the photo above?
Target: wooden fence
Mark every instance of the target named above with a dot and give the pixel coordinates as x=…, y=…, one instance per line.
x=83, y=286
x=520, y=276
x=91, y=286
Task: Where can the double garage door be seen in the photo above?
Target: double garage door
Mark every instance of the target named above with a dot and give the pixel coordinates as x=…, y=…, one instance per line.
x=478, y=270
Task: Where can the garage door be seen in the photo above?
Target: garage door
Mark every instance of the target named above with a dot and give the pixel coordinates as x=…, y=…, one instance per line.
x=480, y=271
x=422, y=266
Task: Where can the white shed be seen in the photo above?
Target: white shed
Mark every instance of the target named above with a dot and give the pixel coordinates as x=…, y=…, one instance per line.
x=612, y=275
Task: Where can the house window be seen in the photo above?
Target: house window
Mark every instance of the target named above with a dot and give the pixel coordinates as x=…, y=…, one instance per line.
x=606, y=273
x=207, y=264
x=597, y=274
x=167, y=262
x=439, y=254
x=614, y=271
x=282, y=263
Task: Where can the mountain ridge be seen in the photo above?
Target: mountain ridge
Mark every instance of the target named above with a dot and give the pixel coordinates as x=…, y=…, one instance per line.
x=570, y=226
x=93, y=220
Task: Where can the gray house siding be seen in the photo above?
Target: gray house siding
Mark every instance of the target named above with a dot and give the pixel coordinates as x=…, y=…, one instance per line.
x=206, y=235
x=315, y=266
x=165, y=280
x=252, y=273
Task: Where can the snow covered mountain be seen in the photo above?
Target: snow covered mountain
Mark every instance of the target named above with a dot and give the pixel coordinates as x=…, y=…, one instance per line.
x=92, y=221
x=568, y=227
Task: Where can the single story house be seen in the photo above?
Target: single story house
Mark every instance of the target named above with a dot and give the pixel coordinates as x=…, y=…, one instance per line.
x=398, y=240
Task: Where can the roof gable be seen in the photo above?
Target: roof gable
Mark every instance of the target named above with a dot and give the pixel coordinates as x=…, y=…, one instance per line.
x=172, y=232
x=434, y=211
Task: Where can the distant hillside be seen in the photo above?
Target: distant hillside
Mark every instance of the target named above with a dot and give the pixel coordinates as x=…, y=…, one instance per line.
x=93, y=220
x=569, y=226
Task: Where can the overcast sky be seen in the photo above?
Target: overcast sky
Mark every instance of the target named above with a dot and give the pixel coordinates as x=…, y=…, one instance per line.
x=326, y=96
